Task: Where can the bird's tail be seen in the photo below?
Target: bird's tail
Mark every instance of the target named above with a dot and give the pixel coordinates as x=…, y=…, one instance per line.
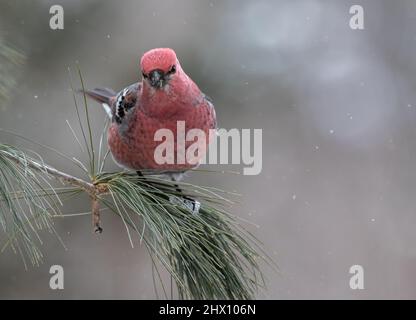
x=101, y=95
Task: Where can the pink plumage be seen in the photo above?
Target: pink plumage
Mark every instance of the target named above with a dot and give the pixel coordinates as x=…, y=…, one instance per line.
x=165, y=96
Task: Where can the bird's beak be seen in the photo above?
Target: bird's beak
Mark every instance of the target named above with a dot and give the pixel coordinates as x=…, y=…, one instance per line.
x=157, y=78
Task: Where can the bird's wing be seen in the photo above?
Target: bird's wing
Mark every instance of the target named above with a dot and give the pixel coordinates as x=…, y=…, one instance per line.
x=208, y=100
x=125, y=100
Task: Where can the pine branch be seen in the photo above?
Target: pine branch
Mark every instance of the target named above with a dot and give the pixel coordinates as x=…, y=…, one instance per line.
x=209, y=255
x=63, y=177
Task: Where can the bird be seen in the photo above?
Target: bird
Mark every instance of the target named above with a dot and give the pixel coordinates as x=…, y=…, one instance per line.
x=165, y=96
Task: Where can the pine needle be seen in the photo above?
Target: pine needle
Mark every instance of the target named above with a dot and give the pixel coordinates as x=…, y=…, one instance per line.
x=208, y=254
x=26, y=203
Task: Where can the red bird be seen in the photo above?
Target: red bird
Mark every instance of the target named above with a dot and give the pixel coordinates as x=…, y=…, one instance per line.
x=165, y=96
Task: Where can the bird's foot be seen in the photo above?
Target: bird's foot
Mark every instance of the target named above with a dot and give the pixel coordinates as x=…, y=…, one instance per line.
x=187, y=203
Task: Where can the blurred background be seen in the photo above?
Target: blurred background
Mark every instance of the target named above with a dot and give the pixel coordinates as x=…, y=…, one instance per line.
x=337, y=107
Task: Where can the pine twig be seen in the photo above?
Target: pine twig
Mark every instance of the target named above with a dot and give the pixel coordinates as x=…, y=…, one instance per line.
x=94, y=190
x=95, y=211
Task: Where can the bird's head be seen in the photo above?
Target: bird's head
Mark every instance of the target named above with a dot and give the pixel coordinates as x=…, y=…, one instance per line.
x=159, y=66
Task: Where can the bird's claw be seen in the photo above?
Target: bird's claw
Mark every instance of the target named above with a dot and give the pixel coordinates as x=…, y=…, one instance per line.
x=192, y=204
x=187, y=203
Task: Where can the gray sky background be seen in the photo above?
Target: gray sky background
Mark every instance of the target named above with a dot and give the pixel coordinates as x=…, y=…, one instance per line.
x=337, y=107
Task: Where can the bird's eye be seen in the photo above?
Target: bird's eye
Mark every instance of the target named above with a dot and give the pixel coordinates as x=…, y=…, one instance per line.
x=145, y=75
x=172, y=69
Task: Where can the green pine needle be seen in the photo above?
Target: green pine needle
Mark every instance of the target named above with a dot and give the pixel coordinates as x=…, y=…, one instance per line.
x=11, y=60
x=208, y=254
x=27, y=203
